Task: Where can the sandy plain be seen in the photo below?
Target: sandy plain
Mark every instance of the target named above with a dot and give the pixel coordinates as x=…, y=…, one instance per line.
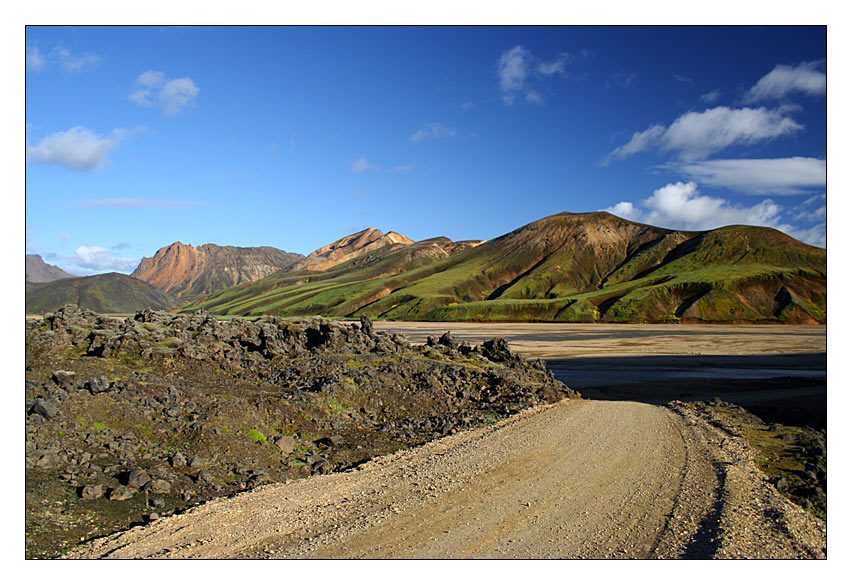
x=575, y=340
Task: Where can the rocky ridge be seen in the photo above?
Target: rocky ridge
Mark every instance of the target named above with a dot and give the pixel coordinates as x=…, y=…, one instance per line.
x=189, y=271
x=131, y=419
x=350, y=247
x=37, y=270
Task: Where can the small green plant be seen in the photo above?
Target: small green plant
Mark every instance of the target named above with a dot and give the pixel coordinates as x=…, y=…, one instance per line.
x=98, y=426
x=256, y=435
x=489, y=419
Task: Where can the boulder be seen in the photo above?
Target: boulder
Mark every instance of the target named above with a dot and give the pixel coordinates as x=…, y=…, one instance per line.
x=286, y=444
x=122, y=492
x=158, y=486
x=92, y=492
x=136, y=478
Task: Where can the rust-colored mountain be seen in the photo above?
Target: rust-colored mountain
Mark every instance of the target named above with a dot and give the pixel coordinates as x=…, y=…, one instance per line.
x=350, y=247
x=189, y=272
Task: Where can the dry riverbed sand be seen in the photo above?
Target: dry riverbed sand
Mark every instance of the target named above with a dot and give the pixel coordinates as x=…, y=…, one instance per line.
x=570, y=340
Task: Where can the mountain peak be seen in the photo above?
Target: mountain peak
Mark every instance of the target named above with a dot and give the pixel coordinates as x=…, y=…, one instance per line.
x=187, y=271
x=37, y=270
x=349, y=247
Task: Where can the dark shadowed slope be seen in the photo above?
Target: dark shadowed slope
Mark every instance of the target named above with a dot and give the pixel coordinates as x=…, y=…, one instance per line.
x=102, y=293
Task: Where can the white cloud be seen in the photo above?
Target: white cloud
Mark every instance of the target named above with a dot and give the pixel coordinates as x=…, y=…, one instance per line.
x=172, y=95
x=99, y=259
x=178, y=94
x=432, y=131
x=70, y=63
x=696, y=135
x=517, y=65
x=272, y=147
x=711, y=96
x=361, y=165
x=512, y=69
x=778, y=176
x=802, y=213
x=683, y=79
x=626, y=210
x=784, y=79
x=555, y=66
x=534, y=97
x=138, y=203
x=401, y=169
x=67, y=61
x=35, y=60
x=77, y=148
x=681, y=206
x=151, y=78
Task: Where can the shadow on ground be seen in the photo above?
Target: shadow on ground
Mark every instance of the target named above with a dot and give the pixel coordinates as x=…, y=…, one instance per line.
x=789, y=389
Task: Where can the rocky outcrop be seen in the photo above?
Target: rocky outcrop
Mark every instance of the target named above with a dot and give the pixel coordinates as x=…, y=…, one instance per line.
x=350, y=247
x=37, y=270
x=161, y=411
x=189, y=272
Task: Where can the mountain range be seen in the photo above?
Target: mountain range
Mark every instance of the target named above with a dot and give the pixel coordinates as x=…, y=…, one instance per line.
x=582, y=267
x=189, y=272
x=37, y=270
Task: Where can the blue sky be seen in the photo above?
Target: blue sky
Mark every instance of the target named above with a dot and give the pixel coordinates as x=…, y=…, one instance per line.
x=292, y=137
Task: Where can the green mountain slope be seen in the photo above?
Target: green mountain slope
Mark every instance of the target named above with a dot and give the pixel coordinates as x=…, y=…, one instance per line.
x=102, y=293
x=567, y=267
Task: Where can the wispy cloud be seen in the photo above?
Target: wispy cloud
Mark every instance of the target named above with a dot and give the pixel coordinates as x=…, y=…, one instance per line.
x=555, y=66
x=696, y=135
x=683, y=79
x=138, y=203
x=778, y=176
x=785, y=79
x=68, y=62
x=172, y=95
x=362, y=164
x=517, y=66
x=432, y=131
x=35, y=60
x=512, y=71
x=620, y=79
x=78, y=148
x=272, y=147
x=682, y=206
x=74, y=63
x=401, y=169
x=711, y=96
x=533, y=97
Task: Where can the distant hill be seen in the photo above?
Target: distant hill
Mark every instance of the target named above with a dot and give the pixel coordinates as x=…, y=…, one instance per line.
x=350, y=247
x=102, y=293
x=567, y=267
x=188, y=272
x=37, y=270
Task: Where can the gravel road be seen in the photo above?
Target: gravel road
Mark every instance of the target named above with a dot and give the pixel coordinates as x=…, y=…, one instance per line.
x=578, y=479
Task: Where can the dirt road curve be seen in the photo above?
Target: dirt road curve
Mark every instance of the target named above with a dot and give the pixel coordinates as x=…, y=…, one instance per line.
x=579, y=479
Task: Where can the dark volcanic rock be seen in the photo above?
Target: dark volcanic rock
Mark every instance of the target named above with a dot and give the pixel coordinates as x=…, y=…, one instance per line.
x=189, y=407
